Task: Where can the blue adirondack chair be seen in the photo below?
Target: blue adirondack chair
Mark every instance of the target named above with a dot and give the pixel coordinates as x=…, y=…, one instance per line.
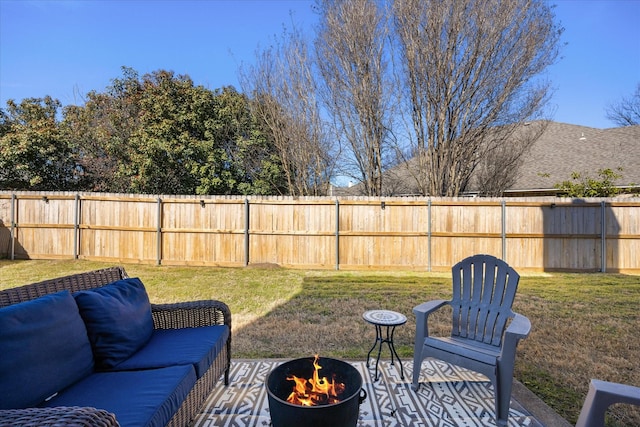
x=485, y=331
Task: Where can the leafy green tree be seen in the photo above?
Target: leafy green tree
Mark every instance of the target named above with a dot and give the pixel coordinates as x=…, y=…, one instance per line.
x=100, y=131
x=242, y=159
x=5, y=127
x=585, y=186
x=160, y=134
x=34, y=152
x=169, y=141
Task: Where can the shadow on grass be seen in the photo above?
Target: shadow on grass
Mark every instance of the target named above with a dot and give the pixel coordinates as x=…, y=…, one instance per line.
x=325, y=317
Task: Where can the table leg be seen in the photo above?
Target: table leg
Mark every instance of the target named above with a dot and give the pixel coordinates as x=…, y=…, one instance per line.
x=372, y=347
x=392, y=348
x=380, y=339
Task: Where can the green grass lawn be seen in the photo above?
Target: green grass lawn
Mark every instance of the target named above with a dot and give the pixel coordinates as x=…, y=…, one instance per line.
x=583, y=325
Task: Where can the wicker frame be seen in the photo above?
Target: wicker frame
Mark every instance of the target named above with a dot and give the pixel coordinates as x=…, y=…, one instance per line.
x=165, y=316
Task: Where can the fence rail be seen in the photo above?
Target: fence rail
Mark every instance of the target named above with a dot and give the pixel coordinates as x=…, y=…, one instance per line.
x=549, y=234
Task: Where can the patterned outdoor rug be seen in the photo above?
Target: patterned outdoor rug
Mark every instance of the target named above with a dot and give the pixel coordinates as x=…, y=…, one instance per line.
x=449, y=396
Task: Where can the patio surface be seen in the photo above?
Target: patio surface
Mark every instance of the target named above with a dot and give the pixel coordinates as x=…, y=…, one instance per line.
x=448, y=396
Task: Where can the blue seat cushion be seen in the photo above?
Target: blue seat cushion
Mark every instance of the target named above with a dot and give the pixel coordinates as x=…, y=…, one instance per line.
x=167, y=347
x=137, y=398
x=43, y=349
x=118, y=320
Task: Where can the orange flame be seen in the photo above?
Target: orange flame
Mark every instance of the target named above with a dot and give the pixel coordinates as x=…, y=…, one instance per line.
x=316, y=390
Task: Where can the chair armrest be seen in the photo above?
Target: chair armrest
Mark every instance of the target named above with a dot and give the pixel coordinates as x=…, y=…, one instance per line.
x=603, y=394
x=58, y=416
x=422, y=313
x=190, y=314
x=620, y=393
x=428, y=307
x=519, y=327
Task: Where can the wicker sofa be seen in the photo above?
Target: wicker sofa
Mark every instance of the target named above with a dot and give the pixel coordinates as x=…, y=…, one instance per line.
x=168, y=320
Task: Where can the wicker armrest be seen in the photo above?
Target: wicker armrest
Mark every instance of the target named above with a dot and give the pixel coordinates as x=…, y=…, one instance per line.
x=194, y=314
x=57, y=416
x=191, y=314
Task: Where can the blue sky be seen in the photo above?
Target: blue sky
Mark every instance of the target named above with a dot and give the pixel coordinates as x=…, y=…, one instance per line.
x=67, y=48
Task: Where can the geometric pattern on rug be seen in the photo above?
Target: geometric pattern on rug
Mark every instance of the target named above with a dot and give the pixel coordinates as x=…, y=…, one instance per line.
x=449, y=396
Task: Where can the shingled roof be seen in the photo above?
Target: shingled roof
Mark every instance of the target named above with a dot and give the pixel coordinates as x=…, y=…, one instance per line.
x=561, y=150
x=564, y=148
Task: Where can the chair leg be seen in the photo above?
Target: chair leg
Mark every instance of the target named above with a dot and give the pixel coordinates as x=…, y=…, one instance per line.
x=502, y=387
x=417, y=366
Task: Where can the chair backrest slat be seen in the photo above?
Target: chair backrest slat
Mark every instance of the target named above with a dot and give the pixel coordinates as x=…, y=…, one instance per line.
x=481, y=276
x=484, y=288
x=461, y=286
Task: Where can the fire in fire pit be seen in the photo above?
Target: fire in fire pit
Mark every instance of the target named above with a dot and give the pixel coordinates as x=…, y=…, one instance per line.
x=315, y=392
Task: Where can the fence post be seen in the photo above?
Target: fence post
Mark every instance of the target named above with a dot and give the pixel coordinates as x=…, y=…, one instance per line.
x=504, y=230
x=246, y=232
x=76, y=227
x=429, y=235
x=159, y=233
x=603, y=236
x=13, y=227
x=337, y=234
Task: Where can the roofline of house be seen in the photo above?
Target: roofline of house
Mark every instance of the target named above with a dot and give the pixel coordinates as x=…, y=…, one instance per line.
x=626, y=189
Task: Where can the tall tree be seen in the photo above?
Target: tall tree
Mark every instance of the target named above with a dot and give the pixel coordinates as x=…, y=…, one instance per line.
x=283, y=86
x=471, y=72
x=626, y=112
x=34, y=153
x=351, y=52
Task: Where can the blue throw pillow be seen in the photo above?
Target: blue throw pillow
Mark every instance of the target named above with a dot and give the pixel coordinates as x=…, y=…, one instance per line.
x=118, y=320
x=43, y=348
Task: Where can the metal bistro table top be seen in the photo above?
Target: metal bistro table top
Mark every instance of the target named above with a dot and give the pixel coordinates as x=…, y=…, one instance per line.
x=384, y=317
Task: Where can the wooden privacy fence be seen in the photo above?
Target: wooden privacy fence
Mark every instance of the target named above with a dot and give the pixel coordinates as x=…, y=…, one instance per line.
x=429, y=234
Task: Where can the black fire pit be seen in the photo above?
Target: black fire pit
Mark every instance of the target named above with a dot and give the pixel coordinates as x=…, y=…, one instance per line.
x=341, y=414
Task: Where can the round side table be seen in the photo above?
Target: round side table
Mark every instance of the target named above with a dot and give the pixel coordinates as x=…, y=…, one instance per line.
x=389, y=320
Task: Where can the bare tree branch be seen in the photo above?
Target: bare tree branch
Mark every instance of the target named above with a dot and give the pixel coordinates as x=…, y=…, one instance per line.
x=469, y=70
x=498, y=167
x=350, y=46
x=284, y=90
x=627, y=111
